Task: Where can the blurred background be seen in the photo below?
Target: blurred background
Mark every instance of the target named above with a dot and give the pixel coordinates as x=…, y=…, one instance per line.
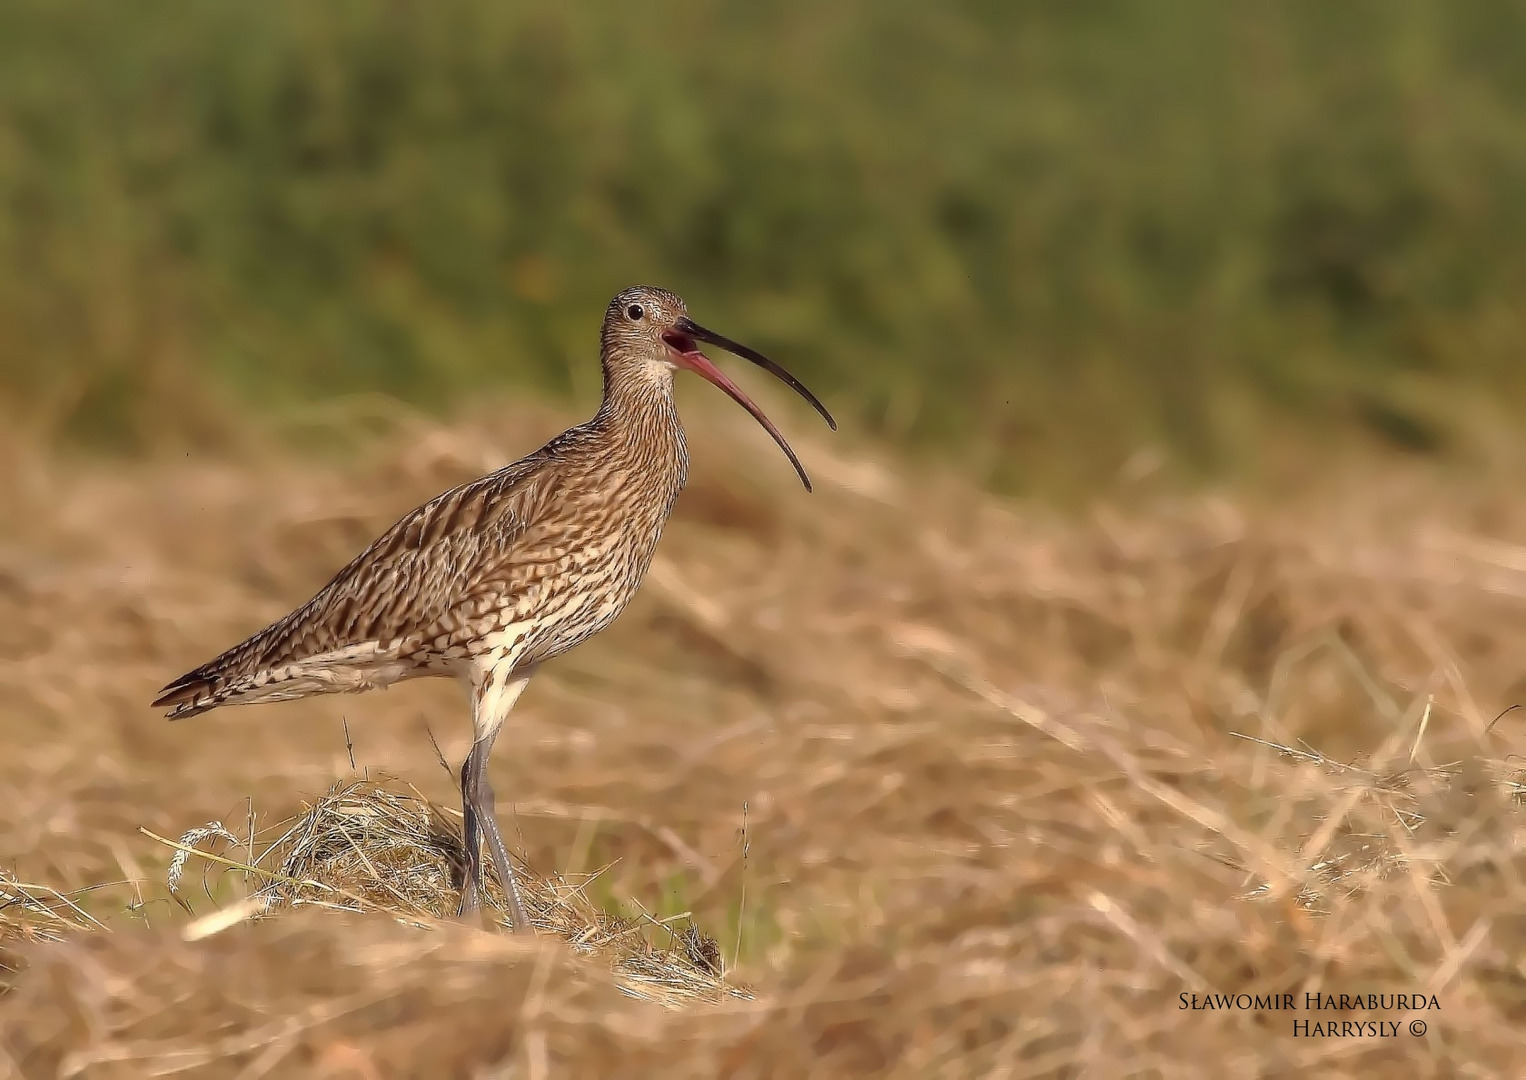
x=1031, y=238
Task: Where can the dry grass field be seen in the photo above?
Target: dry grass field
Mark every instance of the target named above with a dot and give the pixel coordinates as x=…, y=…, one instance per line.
x=895, y=779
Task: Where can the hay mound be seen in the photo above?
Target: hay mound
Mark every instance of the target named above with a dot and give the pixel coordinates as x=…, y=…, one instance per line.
x=379, y=845
x=37, y=912
x=32, y=913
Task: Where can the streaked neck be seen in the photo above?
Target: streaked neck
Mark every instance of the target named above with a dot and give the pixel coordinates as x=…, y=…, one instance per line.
x=638, y=412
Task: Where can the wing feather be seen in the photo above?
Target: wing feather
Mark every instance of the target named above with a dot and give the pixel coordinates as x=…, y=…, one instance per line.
x=442, y=564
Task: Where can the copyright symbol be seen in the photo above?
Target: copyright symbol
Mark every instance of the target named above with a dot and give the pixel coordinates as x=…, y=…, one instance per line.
x=1417, y=1027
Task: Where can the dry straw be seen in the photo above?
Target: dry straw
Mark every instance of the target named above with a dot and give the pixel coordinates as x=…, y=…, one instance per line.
x=379, y=846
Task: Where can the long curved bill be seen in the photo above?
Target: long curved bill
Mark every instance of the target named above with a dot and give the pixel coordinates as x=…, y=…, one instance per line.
x=682, y=340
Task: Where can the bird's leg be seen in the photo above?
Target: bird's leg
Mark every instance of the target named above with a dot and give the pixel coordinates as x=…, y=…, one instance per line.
x=471, y=885
x=500, y=853
x=494, y=691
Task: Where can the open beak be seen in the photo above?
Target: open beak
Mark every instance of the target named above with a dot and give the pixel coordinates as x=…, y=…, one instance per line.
x=683, y=338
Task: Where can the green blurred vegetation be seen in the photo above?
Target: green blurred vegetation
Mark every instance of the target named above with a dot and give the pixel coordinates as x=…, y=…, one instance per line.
x=1044, y=234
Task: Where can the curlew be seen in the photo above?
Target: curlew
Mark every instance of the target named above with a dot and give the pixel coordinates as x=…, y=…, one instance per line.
x=491, y=579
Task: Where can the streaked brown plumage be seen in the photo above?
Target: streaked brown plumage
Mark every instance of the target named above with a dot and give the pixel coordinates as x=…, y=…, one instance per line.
x=494, y=577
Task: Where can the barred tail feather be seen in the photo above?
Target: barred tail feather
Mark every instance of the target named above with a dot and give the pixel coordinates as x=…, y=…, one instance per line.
x=347, y=670
x=190, y=695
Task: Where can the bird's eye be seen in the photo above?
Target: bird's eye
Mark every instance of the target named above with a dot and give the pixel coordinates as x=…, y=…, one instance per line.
x=634, y=311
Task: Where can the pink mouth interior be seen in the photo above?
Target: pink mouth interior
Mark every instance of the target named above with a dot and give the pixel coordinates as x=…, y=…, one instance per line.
x=682, y=344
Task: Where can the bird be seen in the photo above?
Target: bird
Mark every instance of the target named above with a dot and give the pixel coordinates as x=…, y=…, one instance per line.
x=495, y=577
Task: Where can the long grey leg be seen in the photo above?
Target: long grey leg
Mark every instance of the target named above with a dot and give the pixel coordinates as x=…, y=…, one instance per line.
x=493, y=695
x=471, y=887
x=486, y=811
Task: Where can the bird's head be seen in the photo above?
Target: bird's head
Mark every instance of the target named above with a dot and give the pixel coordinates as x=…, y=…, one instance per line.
x=651, y=327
